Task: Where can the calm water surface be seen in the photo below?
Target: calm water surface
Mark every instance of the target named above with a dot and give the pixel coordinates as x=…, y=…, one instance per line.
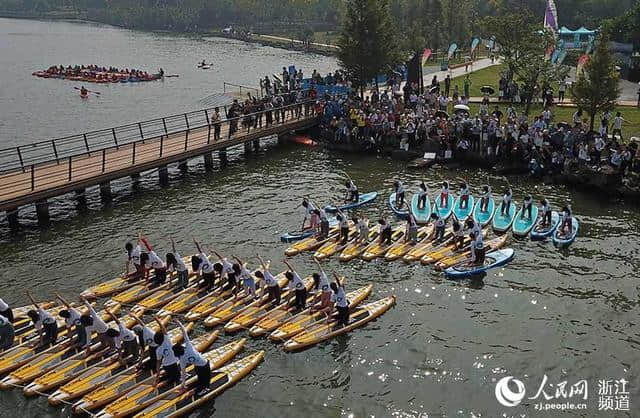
x=569, y=314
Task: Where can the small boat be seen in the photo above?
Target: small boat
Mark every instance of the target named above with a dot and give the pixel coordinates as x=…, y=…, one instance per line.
x=562, y=240
x=365, y=198
x=322, y=331
x=462, y=214
x=421, y=215
x=483, y=218
x=540, y=232
x=503, y=223
x=444, y=211
x=522, y=224
x=492, y=260
x=300, y=235
x=400, y=213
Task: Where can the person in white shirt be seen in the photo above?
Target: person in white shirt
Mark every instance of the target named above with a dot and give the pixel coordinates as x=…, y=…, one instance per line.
x=439, y=224
x=423, y=194
x=343, y=223
x=362, y=226
x=464, y=196
x=7, y=333
x=566, y=225
x=297, y=285
x=133, y=260
x=411, y=232
x=151, y=261
x=247, y=280
x=188, y=355
x=6, y=311
x=340, y=302
x=505, y=207
x=145, y=341
x=351, y=194
x=44, y=323
x=202, y=265
x=617, y=125
x=486, y=196
x=477, y=248
x=527, y=206
x=72, y=322
x=546, y=212
x=385, y=232
x=598, y=146
x=224, y=269
x=269, y=282
x=94, y=323
x=322, y=288
x=444, y=195
x=125, y=341
x=399, y=191
x=175, y=263
x=165, y=358
x=308, y=208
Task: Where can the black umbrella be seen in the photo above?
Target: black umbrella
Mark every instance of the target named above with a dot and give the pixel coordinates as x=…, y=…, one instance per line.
x=434, y=89
x=442, y=114
x=487, y=90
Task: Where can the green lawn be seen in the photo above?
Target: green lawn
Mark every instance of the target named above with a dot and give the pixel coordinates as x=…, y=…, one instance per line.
x=486, y=77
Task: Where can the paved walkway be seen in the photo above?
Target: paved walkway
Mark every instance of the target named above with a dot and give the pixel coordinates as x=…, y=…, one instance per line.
x=459, y=72
x=296, y=41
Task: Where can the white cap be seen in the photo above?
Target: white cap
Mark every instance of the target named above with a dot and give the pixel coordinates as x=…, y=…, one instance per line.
x=3, y=305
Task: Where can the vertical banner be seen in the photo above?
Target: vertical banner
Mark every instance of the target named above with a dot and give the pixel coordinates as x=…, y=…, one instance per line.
x=452, y=50
x=551, y=16
x=474, y=45
x=581, y=63
x=426, y=54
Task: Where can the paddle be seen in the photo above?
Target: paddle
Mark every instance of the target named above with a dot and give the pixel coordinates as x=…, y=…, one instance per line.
x=89, y=91
x=172, y=75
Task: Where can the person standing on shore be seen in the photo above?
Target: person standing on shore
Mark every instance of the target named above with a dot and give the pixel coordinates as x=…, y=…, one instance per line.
x=447, y=85
x=467, y=86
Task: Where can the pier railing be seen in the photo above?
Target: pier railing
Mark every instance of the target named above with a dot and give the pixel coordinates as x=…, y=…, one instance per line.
x=86, y=158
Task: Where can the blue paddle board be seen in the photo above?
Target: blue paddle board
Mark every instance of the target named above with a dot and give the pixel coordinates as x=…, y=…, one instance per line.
x=446, y=211
x=400, y=213
x=562, y=241
x=483, y=218
x=300, y=235
x=540, y=233
x=492, y=260
x=365, y=198
x=522, y=225
x=503, y=223
x=422, y=215
x=463, y=213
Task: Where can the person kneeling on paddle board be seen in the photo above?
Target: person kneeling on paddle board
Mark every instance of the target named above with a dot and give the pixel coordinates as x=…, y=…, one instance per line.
x=343, y=238
x=477, y=249
x=44, y=323
x=72, y=318
x=411, y=233
x=458, y=235
x=7, y=333
x=187, y=355
x=297, y=285
x=340, y=301
x=352, y=194
x=385, y=231
x=444, y=195
x=399, y=188
x=484, y=200
x=165, y=358
x=145, y=340
x=566, y=221
x=125, y=341
x=527, y=206
x=268, y=281
x=423, y=192
x=546, y=212
x=505, y=207
x=6, y=311
x=464, y=196
x=439, y=225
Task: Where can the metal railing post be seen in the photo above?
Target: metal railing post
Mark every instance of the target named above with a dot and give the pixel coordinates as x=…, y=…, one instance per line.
x=206, y=115
x=209, y=135
x=164, y=123
x=113, y=131
x=104, y=158
x=86, y=143
x=133, y=158
x=140, y=129
x=70, y=158
x=33, y=177
x=186, y=139
x=55, y=151
x=161, y=144
x=186, y=119
x=20, y=158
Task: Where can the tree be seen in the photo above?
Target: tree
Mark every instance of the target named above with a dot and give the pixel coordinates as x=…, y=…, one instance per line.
x=368, y=43
x=597, y=87
x=512, y=32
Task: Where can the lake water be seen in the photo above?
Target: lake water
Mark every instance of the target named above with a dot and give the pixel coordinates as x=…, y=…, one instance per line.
x=569, y=315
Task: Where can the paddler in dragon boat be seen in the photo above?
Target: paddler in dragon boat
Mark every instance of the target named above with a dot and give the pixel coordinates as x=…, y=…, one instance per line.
x=351, y=194
x=269, y=282
x=73, y=318
x=44, y=323
x=165, y=358
x=296, y=284
x=485, y=197
x=423, y=192
x=399, y=190
x=247, y=280
x=546, y=212
x=175, y=263
x=125, y=341
x=188, y=355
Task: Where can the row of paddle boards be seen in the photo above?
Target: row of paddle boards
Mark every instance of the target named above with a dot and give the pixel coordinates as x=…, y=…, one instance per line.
x=100, y=383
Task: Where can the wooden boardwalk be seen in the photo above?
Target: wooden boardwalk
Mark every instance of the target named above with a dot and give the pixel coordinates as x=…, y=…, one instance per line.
x=39, y=181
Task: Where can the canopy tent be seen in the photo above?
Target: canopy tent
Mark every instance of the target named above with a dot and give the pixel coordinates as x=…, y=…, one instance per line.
x=576, y=39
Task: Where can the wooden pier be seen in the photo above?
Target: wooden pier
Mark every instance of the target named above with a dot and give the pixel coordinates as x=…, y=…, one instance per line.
x=31, y=174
